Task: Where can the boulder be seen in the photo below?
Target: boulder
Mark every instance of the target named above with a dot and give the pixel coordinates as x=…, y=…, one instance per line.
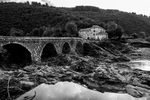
x=137, y=91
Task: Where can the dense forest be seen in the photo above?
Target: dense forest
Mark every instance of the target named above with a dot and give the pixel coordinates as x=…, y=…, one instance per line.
x=24, y=19
x=131, y=22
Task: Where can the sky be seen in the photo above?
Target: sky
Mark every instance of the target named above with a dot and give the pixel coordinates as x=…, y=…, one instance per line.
x=137, y=6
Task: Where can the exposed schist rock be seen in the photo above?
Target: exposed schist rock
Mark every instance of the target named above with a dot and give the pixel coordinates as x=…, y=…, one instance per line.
x=27, y=85
x=137, y=91
x=30, y=68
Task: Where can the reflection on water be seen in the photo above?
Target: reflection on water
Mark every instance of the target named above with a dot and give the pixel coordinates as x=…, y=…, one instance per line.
x=72, y=91
x=142, y=64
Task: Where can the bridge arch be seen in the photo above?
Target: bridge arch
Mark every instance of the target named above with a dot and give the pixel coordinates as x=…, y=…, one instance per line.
x=16, y=53
x=17, y=43
x=49, y=50
x=86, y=48
x=79, y=48
x=66, y=48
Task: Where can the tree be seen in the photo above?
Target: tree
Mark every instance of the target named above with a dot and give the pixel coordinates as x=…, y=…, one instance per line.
x=47, y=32
x=37, y=31
x=142, y=35
x=36, y=3
x=134, y=35
x=15, y=32
x=148, y=39
x=114, y=30
x=57, y=32
x=46, y=4
x=27, y=3
x=71, y=28
x=119, y=32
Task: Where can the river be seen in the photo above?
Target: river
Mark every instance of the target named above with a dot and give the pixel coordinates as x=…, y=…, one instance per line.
x=141, y=64
x=72, y=91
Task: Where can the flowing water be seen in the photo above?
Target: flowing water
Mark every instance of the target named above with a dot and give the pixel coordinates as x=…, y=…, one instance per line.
x=72, y=91
x=141, y=64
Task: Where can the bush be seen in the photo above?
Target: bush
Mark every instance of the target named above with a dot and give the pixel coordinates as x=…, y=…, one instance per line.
x=48, y=32
x=114, y=31
x=15, y=32
x=148, y=39
x=37, y=32
x=71, y=28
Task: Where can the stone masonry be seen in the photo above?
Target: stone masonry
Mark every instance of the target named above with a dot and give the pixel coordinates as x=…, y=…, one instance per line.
x=35, y=45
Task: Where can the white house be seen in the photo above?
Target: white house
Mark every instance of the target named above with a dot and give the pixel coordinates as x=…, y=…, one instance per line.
x=95, y=32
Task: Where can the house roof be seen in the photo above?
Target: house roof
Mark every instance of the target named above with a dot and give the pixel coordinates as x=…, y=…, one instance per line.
x=89, y=29
x=86, y=29
x=96, y=26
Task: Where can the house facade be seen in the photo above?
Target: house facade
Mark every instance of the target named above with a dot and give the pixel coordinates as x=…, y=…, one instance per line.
x=95, y=32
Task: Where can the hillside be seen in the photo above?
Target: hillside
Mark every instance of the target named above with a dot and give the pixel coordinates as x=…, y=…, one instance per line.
x=24, y=17
x=27, y=17
x=129, y=21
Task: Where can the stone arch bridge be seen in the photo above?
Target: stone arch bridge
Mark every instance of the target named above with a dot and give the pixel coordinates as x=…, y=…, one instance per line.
x=36, y=45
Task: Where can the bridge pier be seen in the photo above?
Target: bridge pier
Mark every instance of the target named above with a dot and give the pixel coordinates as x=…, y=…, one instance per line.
x=36, y=58
x=58, y=48
x=72, y=51
x=36, y=49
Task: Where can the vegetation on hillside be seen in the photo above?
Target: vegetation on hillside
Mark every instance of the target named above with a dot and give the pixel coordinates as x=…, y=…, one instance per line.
x=131, y=22
x=34, y=20
x=24, y=19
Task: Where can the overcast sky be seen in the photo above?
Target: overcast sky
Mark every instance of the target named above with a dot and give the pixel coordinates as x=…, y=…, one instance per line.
x=138, y=6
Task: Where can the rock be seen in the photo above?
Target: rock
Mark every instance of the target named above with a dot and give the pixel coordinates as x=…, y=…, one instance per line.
x=9, y=72
x=25, y=77
x=27, y=85
x=42, y=80
x=19, y=73
x=39, y=73
x=137, y=91
x=30, y=68
x=120, y=58
x=66, y=78
x=54, y=82
x=67, y=67
x=3, y=75
x=1, y=72
x=90, y=83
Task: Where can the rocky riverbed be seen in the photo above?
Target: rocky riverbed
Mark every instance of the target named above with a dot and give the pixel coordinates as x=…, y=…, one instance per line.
x=107, y=71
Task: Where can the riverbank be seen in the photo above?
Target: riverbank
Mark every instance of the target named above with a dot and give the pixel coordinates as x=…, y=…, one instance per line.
x=102, y=70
